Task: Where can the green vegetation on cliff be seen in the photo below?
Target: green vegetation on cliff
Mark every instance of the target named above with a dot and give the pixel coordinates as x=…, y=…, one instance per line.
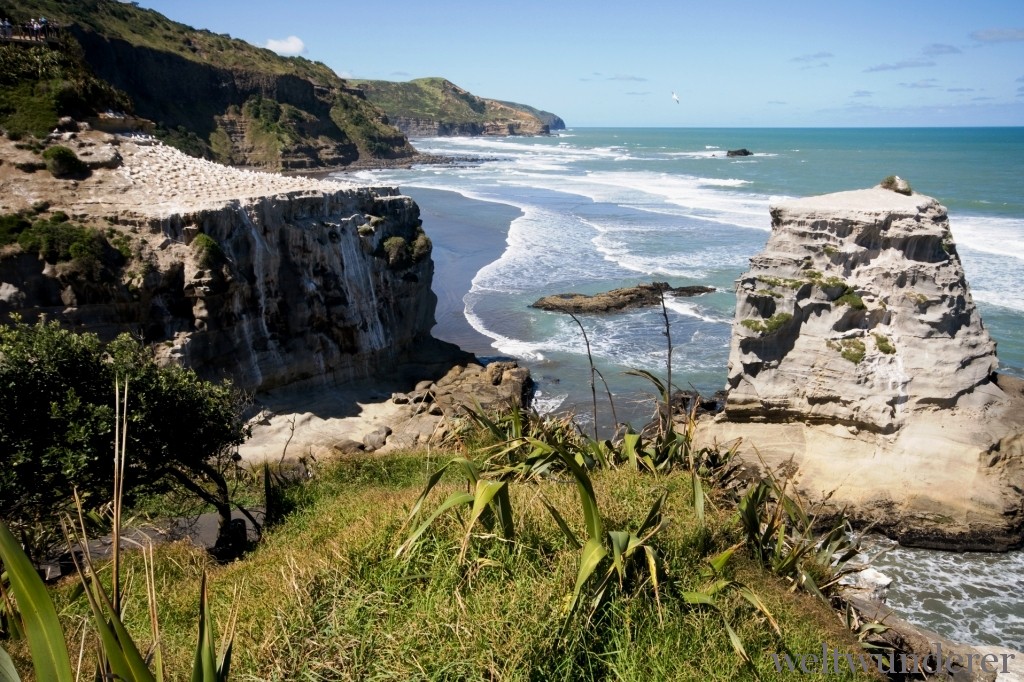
x=194, y=84
x=445, y=104
x=41, y=83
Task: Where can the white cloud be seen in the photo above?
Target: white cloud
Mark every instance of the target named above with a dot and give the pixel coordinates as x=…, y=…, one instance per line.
x=290, y=46
x=905, y=64
x=999, y=35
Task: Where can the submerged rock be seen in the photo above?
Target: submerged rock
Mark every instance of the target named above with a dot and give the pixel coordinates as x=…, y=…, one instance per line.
x=859, y=360
x=617, y=299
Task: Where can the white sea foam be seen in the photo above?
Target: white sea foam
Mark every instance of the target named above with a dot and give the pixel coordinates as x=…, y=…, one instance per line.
x=547, y=404
x=970, y=597
x=689, y=308
x=995, y=235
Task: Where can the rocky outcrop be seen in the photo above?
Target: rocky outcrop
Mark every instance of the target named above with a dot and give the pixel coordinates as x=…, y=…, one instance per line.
x=421, y=127
x=264, y=279
x=860, y=365
x=626, y=298
x=739, y=152
x=435, y=107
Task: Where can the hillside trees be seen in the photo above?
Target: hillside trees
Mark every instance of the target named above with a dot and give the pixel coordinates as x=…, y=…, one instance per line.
x=57, y=427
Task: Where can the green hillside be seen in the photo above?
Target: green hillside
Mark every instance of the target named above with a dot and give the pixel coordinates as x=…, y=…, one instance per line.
x=452, y=108
x=210, y=94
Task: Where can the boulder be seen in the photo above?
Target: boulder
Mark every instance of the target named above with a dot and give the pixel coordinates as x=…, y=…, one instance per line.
x=375, y=439
x=739, y=152
x=859, y=361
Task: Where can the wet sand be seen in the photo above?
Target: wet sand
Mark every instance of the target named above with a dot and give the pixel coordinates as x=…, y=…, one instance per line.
x=467, y=235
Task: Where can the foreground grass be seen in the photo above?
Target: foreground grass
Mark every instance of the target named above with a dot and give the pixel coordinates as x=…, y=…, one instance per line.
x=324, y=598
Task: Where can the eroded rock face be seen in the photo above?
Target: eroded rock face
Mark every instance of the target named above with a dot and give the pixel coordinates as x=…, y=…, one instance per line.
x=303, y=289
x=858, y=356
x=858, y=312
x=261, y=278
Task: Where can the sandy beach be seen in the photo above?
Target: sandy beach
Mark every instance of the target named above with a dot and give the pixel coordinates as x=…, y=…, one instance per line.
x=467, y=235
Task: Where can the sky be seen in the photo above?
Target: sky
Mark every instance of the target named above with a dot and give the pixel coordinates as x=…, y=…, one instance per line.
x=732, y=63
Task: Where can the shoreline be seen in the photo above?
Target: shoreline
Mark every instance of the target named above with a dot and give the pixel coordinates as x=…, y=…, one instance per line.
x=467, y=235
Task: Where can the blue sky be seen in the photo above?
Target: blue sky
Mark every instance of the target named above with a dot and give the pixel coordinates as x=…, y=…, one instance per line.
x=732, y=62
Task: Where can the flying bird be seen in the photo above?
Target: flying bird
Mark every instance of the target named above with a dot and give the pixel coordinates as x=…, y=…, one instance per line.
x=675, y=97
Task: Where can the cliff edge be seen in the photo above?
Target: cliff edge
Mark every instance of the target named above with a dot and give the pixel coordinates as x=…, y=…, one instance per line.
x=860, y=366
x=262, y=278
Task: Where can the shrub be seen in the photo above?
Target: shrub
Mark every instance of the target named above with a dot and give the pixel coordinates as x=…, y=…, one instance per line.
x=12, y=225
x=56, y=423
x=421, y=247
x=769, y=326
x=884, y=344
x=208, y=251
x=851, y=299
x=62, y=162
x=397, y=251
x=852, y=350
x=897, y=184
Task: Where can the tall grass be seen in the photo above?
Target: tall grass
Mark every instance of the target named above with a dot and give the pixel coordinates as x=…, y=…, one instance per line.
x=324, y=597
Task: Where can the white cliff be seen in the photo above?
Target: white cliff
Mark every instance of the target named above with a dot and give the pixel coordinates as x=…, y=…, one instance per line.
x=860, y=365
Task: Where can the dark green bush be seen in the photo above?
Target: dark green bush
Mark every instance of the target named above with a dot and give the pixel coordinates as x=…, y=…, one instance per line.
x=12, y=225
x=62, y=162
x=56, y=422
x=208, y=250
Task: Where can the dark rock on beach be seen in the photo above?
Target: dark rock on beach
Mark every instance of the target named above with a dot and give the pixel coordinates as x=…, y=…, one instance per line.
x=616, y=299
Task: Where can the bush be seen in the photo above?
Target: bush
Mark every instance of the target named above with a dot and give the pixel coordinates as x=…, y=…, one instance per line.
x=884, y=344
x=852, y=299
x=208, y=251
x=12, y=225
x=769, y=326
x=897, y=184
x=421, y=247
x=64, y=163
x=56, y=423
x=397, y=251
x=57, y=240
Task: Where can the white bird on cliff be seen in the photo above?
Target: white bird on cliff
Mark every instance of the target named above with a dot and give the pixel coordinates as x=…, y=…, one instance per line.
x=675, y=97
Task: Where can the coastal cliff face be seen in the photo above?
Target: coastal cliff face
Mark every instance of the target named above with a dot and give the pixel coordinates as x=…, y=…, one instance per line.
x=304, y=288
x=860, y=364
x=261, y=278
x=417, y=127
x=435, y=107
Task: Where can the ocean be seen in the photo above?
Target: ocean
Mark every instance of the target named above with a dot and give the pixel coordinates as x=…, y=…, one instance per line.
x=592, y=209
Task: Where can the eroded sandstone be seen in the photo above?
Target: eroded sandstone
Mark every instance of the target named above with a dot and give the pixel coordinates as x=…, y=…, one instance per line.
x=859, y=361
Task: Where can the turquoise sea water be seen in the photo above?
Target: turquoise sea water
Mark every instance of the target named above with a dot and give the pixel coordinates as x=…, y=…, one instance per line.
x=604, y=208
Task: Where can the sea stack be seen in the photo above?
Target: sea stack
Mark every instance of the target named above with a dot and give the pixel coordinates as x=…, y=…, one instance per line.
x=860, y=367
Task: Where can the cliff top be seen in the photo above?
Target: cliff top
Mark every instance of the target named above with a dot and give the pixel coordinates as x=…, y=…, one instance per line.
x=151, y=179
x=873, y=200
x=441, y=100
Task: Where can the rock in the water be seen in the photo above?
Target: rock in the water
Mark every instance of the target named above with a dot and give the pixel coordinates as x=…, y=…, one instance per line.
x=616, y=299
x=857, y=354
x=739, y=152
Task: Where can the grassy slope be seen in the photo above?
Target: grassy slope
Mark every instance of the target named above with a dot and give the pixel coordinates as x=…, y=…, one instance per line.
x=436, y=99
x=323, y=597
x=351, y=119
x=147, y=28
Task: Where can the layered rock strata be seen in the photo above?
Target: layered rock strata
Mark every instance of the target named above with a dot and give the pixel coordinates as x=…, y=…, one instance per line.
x=261, y=278
x=860, y=367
